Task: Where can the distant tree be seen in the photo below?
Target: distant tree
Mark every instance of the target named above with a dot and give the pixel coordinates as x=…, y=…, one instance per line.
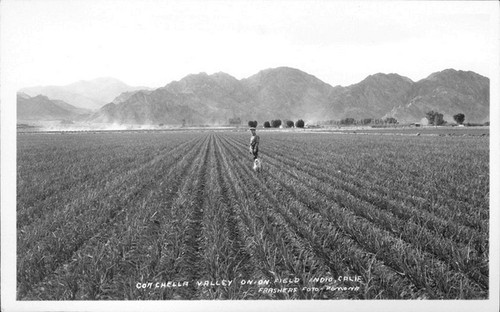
x=299, y=123
x=486, y=123
x=390, y=120
x=435, y=118
x=252, y=123
x=366, y=121
x=183, y=122
x=438, y=120
x=459, y=118
x=347, y=121
x=267, y=124
x=276, y=123
x=430, y=117
x=289, y=124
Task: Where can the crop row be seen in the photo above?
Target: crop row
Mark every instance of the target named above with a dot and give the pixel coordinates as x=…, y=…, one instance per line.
x=307, y=233
x=84, y=167
x=416, y=168
x=53, y=240
x=362, y=209
x=122, y=209
x=396, y=216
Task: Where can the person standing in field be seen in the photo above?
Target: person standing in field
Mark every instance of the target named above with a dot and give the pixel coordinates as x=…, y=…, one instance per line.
x=254, y=144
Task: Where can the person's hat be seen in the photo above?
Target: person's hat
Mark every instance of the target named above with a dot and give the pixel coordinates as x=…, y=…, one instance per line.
x=253, y=128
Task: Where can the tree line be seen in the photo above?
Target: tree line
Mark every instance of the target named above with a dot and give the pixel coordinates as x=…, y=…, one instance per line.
x=365, y=121
x=434, y=118
x=276, y=123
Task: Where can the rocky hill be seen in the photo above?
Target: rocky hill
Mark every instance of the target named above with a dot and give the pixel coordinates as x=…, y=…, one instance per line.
x=373, y=97
x=288, y=93
x=42, y=108
x=449, y=92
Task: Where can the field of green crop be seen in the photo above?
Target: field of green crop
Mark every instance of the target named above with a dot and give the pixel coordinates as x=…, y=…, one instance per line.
x=182, y=215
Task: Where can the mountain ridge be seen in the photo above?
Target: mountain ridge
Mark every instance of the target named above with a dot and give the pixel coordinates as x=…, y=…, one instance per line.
x=41, y=107
x=289, y=93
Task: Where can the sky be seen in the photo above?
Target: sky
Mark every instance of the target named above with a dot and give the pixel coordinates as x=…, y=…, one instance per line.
x=151, y=43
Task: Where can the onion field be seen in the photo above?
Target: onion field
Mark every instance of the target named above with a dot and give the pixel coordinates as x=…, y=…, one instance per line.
x=154, y=215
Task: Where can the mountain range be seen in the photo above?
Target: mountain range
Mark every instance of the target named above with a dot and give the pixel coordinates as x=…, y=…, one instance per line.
x=88, y=94
x=288, y=93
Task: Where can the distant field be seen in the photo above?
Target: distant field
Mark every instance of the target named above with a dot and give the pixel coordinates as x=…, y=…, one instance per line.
x=426, y=130
x=340, y=216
